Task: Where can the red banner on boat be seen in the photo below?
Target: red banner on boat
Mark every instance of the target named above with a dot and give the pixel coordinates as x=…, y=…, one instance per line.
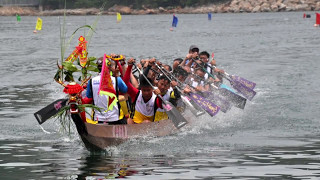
x=106, y=86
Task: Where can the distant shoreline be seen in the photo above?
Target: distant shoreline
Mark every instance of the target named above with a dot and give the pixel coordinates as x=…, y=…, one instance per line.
x=235, y=6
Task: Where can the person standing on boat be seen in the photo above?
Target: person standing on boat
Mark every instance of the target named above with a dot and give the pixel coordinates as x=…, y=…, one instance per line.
x=145, y=101
x=112, y=116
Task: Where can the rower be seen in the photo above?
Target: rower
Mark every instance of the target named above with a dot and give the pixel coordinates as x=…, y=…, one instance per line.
x=168, y=93
x=105, y=116
x=192, y=54
x=198, y=81
x=145, y=100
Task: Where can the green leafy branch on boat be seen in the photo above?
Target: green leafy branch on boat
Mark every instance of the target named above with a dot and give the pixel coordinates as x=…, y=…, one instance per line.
x=67, y=68
x=63, y=116
x=70, y=68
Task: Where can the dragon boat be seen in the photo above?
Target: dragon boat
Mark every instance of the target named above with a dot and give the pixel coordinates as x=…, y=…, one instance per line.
x=97, y=136
x=100, y=136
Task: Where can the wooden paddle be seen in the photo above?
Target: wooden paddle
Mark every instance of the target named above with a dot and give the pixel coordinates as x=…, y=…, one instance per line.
x=193, y=106
x=174, y=115
x=52, y=109
x=235, y=99
x=225, y=95
x=241, y=87
x=198, y=101
x=239, y=79
x=247, y=92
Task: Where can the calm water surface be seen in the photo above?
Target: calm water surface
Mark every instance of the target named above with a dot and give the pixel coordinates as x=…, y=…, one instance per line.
x=274, y=137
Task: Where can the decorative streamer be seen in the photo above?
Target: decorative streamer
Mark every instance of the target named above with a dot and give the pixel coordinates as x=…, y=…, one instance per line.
x=83, y=53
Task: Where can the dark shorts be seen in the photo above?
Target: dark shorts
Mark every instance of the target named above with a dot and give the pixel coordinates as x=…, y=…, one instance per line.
x=121, y=121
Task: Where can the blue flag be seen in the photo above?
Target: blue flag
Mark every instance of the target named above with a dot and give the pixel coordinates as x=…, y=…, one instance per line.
x=209, y=16
x=174, y=21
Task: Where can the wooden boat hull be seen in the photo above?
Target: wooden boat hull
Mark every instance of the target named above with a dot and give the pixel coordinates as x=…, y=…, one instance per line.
x=97, y=137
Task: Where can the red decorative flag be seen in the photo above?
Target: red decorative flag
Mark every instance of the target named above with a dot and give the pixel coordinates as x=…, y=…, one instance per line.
x=106, y=86
x=74, y=55
x=83, y=53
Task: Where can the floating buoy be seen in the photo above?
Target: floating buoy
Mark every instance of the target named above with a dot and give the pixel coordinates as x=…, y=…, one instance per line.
x=306, y=15
x=317, y=20
x=174, y=22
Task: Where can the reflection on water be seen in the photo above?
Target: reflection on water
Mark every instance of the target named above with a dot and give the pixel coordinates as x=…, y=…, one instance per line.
x=16, y=99
x=41, y=160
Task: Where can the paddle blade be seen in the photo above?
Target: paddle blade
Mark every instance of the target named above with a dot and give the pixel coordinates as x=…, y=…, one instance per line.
x=221, y=101
x=192, y=106
x=174, y=115
x=47, y=112
x=208, y=106
x=235, y=99
x=243, y=81
x=244, y=90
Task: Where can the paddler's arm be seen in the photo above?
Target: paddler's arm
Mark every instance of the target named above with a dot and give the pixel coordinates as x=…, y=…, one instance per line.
x=134, y=81
x=175, y=94
x=132, y=91
x=149, y=65
x=158, y=100
x=206, y=87
x=147, y=69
